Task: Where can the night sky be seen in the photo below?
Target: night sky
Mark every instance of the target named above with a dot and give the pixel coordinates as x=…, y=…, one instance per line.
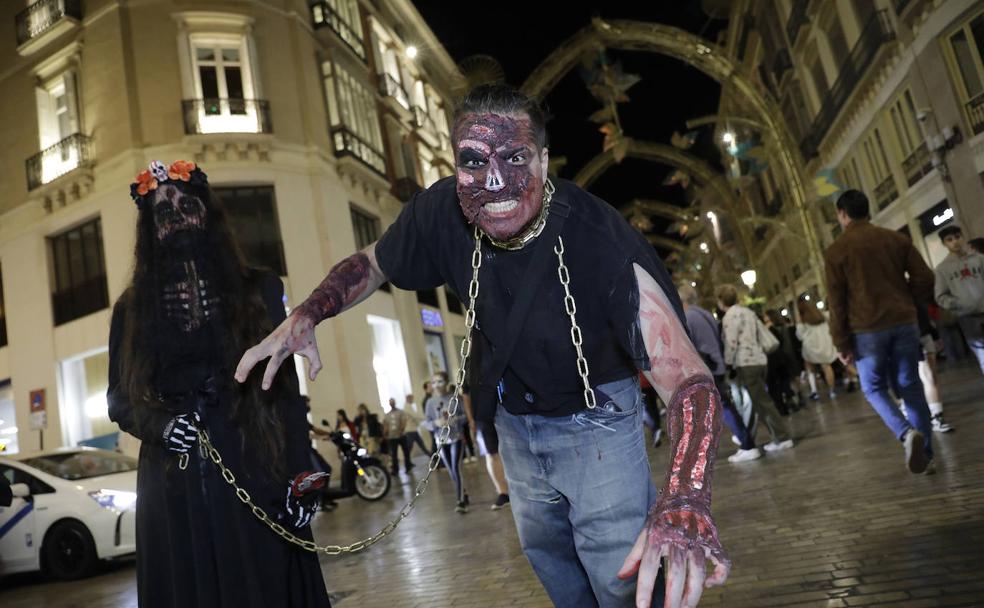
x=670, y=92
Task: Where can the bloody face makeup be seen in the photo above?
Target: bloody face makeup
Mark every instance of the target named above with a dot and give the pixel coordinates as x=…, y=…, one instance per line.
x=176, y=211
x=500, y=172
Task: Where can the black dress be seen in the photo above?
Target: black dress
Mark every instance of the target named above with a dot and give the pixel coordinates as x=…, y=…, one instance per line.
x=197, y=544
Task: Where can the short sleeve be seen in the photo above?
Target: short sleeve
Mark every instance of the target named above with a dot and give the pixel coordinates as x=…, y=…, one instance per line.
x=405, y=251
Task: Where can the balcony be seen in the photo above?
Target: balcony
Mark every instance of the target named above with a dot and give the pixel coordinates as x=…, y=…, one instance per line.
x=876, y=33
x=781, y=64
x=347, y=143
x=391, y=88
x=917, y=164
x=975, y=113
x=203, y=116
x=323, y=15
x=45, y=20
x=885, y=193
x=797, y=19
x=55, y=161
x=405, y=187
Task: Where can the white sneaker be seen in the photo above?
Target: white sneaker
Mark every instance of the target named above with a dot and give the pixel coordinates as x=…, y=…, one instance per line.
x=773, y=446
x=743, y=455
x=940, y=425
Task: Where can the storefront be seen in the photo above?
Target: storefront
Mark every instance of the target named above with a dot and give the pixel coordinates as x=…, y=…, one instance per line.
x=930, y=223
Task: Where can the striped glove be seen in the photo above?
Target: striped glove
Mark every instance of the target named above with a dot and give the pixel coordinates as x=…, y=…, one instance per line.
x=181, y=432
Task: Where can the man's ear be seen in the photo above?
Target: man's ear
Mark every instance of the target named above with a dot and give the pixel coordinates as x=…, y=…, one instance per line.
x=544, y=162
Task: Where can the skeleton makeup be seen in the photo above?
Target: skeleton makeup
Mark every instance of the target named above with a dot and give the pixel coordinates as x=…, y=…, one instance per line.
x=500, y=170
x=176, y=211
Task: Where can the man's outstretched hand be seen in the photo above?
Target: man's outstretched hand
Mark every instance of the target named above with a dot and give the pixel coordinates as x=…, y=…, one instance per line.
x=294, y=335
x=687, y=538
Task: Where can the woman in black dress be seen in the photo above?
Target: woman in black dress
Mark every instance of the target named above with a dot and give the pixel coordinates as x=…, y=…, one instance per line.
x=177, y=332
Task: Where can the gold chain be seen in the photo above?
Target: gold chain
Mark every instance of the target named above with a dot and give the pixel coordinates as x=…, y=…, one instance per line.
x=207, y=450
x=576, y=338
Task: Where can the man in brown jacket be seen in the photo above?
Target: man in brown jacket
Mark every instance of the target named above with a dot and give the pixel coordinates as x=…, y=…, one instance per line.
x=873, y=320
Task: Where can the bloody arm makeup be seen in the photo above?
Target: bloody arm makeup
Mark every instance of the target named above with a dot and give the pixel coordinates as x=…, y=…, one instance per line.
x=348, y=283
x=680, y=525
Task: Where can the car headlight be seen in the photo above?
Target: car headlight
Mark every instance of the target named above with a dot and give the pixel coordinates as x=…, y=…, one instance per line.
x=119, y=500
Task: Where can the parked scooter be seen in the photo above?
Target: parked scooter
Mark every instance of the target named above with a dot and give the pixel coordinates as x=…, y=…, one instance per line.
x=361, y=474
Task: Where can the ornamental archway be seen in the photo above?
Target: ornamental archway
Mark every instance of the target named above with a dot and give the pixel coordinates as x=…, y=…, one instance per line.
x=700, y=170
x=704, y=56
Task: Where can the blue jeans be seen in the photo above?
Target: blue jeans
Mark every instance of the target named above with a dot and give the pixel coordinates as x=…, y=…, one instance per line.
x=890, y=358
x=580, y=490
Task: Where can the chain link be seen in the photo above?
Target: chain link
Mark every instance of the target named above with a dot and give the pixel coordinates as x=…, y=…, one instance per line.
x=576, y=337
x=208, y=451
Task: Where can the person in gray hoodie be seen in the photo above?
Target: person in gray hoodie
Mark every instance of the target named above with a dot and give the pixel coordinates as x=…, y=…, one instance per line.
x=960, y=288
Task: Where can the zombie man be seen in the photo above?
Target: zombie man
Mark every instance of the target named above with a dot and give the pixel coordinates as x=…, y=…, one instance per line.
x=176, y=332
x=571, y=303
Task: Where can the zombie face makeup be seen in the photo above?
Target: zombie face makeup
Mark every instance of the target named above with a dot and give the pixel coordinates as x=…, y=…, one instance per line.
x=176, y=211
x=500, y=170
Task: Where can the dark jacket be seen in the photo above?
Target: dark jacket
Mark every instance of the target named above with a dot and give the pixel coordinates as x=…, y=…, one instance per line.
x=866, y=278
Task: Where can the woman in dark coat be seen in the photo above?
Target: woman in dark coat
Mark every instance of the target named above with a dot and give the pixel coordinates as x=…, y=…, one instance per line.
x=176, y=335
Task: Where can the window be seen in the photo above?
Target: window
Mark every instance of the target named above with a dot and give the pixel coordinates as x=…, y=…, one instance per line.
x=223, y=87
x=835, y=37
x=353, y=116
x=58, y=122
x=35, y=485
x=819, y=79
x=428, y=170
x=3, y=314
x=966, y=49
x=342, y=16
x=903, y=114
x=391, y=78
x=252, y=213
x=365, y=227
x=428, y=297
x=79, y=272
x=878, y=169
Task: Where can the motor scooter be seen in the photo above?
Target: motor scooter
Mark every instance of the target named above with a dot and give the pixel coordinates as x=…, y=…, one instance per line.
x=361, y=474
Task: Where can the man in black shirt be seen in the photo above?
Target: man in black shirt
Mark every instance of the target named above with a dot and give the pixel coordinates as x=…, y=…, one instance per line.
x=569, y=302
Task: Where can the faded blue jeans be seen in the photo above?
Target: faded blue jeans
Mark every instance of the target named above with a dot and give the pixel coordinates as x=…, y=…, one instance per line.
x=890, y=358
x=580, y=490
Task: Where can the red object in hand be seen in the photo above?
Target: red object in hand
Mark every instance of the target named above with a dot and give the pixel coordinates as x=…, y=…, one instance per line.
x=307, y=482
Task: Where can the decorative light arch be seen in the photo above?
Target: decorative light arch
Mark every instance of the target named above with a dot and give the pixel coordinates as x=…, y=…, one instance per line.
x=709, y=59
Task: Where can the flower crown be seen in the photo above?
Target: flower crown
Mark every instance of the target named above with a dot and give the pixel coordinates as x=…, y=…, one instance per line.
x=157, y=173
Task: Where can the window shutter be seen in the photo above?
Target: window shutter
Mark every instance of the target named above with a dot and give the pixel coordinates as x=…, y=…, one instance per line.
x=72, y=100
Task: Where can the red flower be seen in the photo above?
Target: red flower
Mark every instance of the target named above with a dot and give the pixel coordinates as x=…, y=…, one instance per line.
x=181, y=169
x=145, y=183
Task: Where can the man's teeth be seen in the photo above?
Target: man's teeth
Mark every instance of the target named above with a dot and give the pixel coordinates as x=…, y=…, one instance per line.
x=501, y=207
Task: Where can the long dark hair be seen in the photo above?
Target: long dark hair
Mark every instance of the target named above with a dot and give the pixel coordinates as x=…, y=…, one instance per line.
x=243, y=316
x=809, y=314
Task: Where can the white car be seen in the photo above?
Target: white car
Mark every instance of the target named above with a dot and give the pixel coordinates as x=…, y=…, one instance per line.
x=71, y=508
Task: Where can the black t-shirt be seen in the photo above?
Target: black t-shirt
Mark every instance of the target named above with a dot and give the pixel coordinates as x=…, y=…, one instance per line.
x=431, y=244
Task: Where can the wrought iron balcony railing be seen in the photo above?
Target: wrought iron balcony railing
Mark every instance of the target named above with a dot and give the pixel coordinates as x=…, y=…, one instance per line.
x=797, y=19
x=975, y=113
x=41, y=16
x=877, y=32
x=885, y=193
x=226, y=115
x=323, y=15
x=57, y=160
x=390, y=87
x=917, y=164
x=347, y=143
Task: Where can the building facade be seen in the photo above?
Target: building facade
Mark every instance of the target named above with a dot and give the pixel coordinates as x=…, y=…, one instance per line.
x=314, y=120
x=884, y=96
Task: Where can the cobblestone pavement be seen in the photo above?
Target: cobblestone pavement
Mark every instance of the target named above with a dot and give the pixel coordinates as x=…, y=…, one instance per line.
x=835, y=522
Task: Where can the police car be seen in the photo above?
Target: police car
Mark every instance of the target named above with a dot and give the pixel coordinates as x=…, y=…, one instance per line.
x=71, y=507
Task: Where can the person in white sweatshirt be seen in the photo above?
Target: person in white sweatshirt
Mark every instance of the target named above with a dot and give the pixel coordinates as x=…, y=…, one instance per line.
x=960, y=288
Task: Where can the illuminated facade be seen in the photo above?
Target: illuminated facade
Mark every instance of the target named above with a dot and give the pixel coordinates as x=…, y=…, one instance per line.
x=313, y=120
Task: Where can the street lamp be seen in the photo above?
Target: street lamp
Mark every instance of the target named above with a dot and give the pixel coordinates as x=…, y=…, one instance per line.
x=728, y=138
x=411, y=52
x=748, y=278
